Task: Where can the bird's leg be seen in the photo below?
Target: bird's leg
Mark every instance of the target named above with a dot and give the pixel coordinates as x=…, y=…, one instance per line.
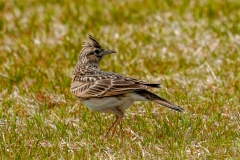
x=113, y=126
x=118, y=119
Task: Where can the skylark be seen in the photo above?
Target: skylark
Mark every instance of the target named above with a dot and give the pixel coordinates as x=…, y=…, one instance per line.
x=106, y=91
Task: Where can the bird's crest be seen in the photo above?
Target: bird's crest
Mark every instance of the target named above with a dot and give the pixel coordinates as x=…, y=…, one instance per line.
x=93, y=42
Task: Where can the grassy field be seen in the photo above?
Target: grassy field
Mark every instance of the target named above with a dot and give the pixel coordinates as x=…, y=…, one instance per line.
x=191, y=47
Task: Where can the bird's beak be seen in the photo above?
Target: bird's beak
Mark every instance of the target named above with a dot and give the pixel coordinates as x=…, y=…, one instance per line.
x=109, y=52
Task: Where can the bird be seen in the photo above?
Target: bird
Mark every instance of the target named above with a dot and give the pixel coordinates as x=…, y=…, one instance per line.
x=109, y=92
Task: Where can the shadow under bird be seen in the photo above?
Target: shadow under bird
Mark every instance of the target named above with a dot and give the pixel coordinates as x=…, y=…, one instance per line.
x=106, y=91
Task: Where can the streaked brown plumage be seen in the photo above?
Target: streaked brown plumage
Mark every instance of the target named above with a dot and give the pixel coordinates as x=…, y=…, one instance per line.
x=107, y=91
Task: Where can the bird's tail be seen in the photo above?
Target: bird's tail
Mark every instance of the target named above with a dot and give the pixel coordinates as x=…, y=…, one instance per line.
x=153, y=97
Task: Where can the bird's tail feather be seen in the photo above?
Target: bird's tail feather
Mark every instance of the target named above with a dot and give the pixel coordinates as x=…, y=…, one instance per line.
x=153, y=97
x=153, y=85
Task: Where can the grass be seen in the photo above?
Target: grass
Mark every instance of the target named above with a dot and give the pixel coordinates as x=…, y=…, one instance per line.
x=191, y=47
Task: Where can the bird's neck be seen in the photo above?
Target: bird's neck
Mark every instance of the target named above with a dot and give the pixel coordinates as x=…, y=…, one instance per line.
x=84, y=68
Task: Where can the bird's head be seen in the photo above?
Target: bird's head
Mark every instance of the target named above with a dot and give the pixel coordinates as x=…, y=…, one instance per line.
x=92, y=52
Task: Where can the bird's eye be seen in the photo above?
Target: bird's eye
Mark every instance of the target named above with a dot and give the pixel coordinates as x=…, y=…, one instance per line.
x=97, y=51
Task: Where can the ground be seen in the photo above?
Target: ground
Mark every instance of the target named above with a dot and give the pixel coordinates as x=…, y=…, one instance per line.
x=191, y=47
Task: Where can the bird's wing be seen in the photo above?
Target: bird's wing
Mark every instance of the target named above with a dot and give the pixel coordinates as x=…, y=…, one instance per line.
x=103, y=86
